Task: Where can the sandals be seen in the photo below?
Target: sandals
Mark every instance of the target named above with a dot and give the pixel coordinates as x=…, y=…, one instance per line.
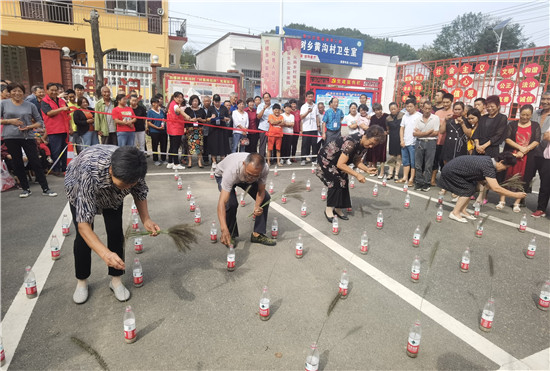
x=400, y=180
x=517, y=208
x=500, y=205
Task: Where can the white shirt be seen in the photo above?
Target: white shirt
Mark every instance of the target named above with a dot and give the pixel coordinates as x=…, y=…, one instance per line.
x=239, y=120
x=432, y=123
x=408, y=122
x=288, y=119
x=309, y=123
x=349, y=119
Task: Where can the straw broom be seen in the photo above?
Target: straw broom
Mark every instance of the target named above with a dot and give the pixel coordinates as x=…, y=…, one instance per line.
x=183, y=235
x=515, y=182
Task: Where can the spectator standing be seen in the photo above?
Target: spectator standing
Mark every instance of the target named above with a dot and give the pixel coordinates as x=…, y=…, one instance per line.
x=438, y=100
x=218, y=145
x=481, y=105
x=333, y=121
x=36, y=96
x=206, y=103
x=194, y=130
x=157, y=131
x=122, y=115
x=445, y=113
x=473, y=118
x=71, y=103
x=240, y=121
x=56, y=120
x=309, y=115
x=296, y=131
x=377, y=154
x=320, y=114
x=17, y=116
x=139, y=111
x=275, y=134
x=263, y=111
x=289, y=120
x=407, y=141
x=492, y=129
x=85, y=124
x=352, y=119
x=393, y=123
x=232, y=102
x=252, y=125
x=457, y=132
x=425, y=131
x=175, y=127
x=105, y=123
x=542, y=155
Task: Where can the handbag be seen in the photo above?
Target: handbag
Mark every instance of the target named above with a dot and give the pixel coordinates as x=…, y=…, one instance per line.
x=244, y=141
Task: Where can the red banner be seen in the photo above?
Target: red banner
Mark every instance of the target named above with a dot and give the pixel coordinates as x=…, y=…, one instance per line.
x=271, y=64
x=201, y=85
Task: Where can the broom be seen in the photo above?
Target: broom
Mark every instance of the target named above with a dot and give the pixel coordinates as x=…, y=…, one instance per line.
x=183, y=235
x=515, y=182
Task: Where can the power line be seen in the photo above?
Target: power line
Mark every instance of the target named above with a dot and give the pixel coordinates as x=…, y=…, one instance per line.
x=214, y=20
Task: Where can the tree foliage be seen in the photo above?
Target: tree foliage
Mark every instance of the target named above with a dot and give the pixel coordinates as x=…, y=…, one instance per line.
x=188, y=58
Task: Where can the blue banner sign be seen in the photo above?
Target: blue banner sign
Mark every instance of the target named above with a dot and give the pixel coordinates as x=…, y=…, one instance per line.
x=331, y=49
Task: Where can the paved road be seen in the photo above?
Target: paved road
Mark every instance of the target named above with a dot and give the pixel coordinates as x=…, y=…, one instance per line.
x=193, y=314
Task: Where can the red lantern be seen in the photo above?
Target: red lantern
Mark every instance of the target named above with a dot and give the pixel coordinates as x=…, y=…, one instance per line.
x=505, y=98
x=466, y=81
x=457, y=93
x=451, y=81
x=438, y=71
x=505, y=85
x=532, y=69
x=529, y=84
x=526, y=98
x=470, y=93
x=508, y=71
x=417, y=88
x=451, y=70
x=407, y=88
x=408, y=78
x=419, y=77
x=482, y=67
x=466, y=69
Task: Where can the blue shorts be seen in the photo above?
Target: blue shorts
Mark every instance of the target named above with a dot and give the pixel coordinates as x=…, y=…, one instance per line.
x=407, y=155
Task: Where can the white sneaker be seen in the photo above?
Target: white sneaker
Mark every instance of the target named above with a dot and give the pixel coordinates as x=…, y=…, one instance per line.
x=157, y=163
x=121, y=292
x=170, y=165
x=80, y=295
x=179, y=167
x=288, y=162
x=214, y=165
x=303, y=163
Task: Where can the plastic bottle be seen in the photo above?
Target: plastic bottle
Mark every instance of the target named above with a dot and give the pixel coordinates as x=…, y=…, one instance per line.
x=283, y=199
x=487, y=316
x=343, y=286
x=308, y=185
x=312, y=168
x=293, y=177
x=352, y=183
x=406, y=187
x=137, y=273
x=523, y=223
x=192, y=204
x=213, y=233
x=30, y=283
x=176, y=175
x=544, y=297
x=465, y=261
x=270, y=188
x=416, y=237
x=189, y=193
x=276, y=171
x=138, y=245
x=274, y=228
x=440, y=199
x=198, y=215
x=65, y=225
x=312, y=359
x=531, y=248
x=415, y=334
x=335, y=227
x=324, y=194
x=364, y=243
x=211, y=173
x=479, y=228
x=407, y=203
x=54, y=247
x=2, y=354
x=180, y=185
x=135, y=223
x=303, y=210
x=134, y=208
x=415, y=269
x=384, y=181
x=380, y=220
x=241, y=199
x=231, y=258
x=264, y=305
x=130, y=333
x=375, y=190
x=477, y=208
x=439, y=214
x=299, y=247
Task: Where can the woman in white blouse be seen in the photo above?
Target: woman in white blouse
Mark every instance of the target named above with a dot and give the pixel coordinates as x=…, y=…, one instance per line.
x=240, y=121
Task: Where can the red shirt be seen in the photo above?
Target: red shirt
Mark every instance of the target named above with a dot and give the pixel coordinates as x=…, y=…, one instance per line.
x=297, y=120
x=176, y=122
x=252, y=118
x=123, y=114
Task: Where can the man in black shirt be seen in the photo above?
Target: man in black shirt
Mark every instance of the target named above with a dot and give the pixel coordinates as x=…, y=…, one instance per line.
x=139, y=111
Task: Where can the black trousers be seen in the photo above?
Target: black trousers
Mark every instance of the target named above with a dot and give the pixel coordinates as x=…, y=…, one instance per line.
x=253, y=146
x=175, y=144
x=294, y=144
x=233, y=205
x=29, y=145
x=309, y=145
x=156, y=139
x=115, y=243
x=205, y=152
x=543, y=166
x=285, y=146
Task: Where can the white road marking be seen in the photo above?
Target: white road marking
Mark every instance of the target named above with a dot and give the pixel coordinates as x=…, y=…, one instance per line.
x=18, y=315
x=455, y=327
x=537, y=361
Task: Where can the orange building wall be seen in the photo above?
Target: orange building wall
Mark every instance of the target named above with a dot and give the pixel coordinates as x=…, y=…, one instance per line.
x=51, y=65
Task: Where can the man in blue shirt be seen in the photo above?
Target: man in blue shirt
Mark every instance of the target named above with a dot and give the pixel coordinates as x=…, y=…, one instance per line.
x=263, y=111
x=333, y=121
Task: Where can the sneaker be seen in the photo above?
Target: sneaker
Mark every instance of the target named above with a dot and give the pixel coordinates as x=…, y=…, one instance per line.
x=80, y=295
x=170, y=165
x=263, y=239
x=417, y=187
x=157, y=163
x=538, y=214
x=308, y=159
x=426, y=188
x=49, y=192
x=25, y=193
x=179, y=167
x=288, y=162
x=121, y=292
x=303, y=163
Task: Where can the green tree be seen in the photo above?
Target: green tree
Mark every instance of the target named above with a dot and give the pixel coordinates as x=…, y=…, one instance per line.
x=188, y=58
x=512, y=38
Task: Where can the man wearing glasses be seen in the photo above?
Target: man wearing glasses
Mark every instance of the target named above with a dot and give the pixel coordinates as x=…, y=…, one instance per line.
x=249, y=172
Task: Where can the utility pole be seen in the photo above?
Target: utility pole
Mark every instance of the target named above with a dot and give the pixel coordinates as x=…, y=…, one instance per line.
x=98, y=52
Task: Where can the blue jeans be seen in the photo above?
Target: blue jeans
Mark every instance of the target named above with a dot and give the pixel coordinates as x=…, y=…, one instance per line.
x=407, y=154
x=126, y=138
x=236, y=143
x=89, y=138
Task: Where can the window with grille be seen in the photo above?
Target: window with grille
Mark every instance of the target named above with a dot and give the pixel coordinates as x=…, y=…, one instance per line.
x=252, y=74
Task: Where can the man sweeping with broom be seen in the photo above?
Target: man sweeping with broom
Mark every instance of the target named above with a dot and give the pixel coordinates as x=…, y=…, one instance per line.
x=249, y=172
x=96, y=182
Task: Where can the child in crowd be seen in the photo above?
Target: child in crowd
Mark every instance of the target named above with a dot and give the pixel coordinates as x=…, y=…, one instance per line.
x=275, y=133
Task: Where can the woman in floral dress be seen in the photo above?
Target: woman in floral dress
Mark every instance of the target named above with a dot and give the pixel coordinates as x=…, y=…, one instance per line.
x=333, y=167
